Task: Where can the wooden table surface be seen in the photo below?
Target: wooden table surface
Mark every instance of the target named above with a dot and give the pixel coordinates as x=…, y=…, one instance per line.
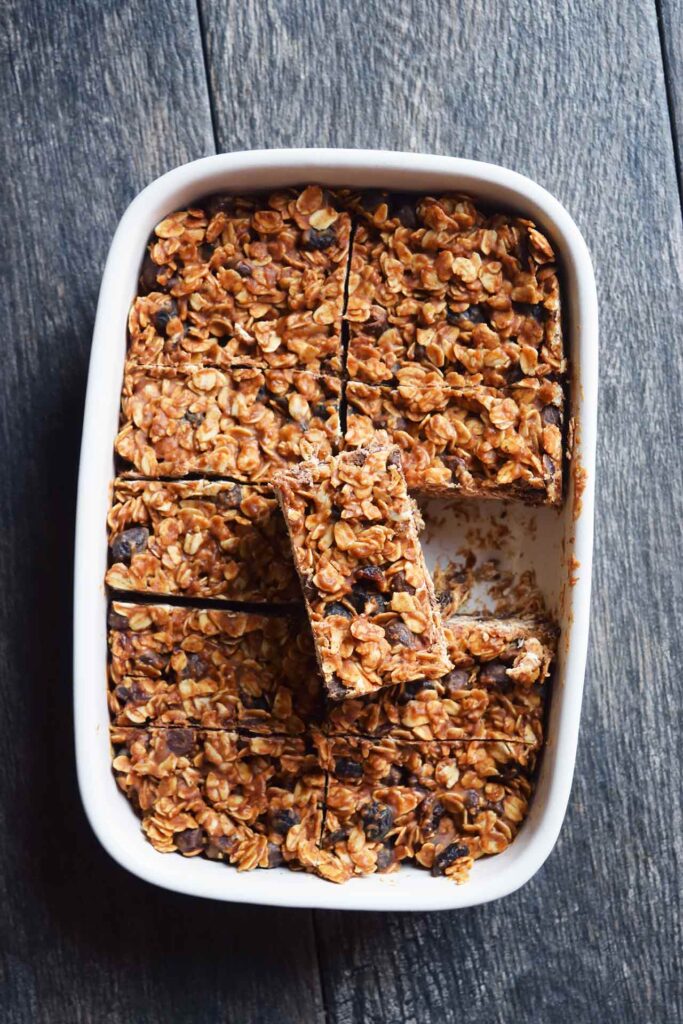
x=100, y=97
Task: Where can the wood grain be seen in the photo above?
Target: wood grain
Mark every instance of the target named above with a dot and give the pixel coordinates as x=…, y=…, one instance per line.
x=98, y=99
x=573, y=94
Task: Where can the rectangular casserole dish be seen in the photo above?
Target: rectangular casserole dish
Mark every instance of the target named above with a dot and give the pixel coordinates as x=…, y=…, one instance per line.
x=557, y=545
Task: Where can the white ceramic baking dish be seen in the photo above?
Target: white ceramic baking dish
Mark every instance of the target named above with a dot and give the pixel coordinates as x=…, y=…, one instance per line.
x=556, y=545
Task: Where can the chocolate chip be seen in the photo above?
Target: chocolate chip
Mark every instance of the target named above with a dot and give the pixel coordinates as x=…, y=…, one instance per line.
x=551, y=414
x=220, y=847
x=130, y=542
x=116, y=621
x=377, y=819
x=195, y=418
x=337, y=608
x=447, y=857
x=409, y=691
x=474, y=314
x=385, y=858
x=493, y=673
x=345, y=768
x=397, y=632
x=403, y=207
x=314, y=240
x=229, y=497
x=371, y=575
x=281, y=821
x=218, y=204
x=154, y=659
x=163, y=316
x=275, y=858
x=338, y=836
x=148, y=274
x=195, y=668
x=189, y=841
x=376, y=323
x=179, y=741
x=537, y=311
x=399, y=584
x=456, y=680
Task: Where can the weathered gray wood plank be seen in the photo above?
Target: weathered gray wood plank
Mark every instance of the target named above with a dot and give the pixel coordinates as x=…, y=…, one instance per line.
x=97, y=99
x=670, y=17
x=573, y=94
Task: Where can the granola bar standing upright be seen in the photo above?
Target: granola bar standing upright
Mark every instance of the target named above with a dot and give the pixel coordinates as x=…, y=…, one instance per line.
x=369, y=596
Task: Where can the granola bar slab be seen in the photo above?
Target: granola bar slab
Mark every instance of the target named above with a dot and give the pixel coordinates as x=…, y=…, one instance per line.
x=217, y=669
x=495, y=691
x=476, y=441
x=199, y=539
x=369, y=596
x=437, y=282
x=440, y=805
x=245, y=280
x=244, y=424
x=251, y=801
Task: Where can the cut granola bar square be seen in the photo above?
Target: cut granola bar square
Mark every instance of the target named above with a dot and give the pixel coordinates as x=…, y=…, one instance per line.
x=438, y=282
x=199, y=539
x=244, y=424
x=369, y=596
x=252, y=280
x=495, y=691
x=186, y=666
x=254, y=801
x=441, y=805
x=475, y=441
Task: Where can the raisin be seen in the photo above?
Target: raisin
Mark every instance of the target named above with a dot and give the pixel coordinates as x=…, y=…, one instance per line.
x=163, y=316
x=456, y=680
x=448, y=856
x=196, y=667
x=275, y=858
x=372, y=575
x=551, y=414
x=399, y=584
x=116, y=621
x=430, y=813
x=194, y=418
x=337, y=608
x=376, y=323
x=493, y=673
x=385, y=858
x=377, y=819
x=314, y=240
x=130, y=542
x=148, y=274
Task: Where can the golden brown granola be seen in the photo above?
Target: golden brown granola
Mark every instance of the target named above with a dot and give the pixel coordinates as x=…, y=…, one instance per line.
x=245, y=280
x=251, y=801
x=369, y=596
x=244, y=424
x=216, y=669
x=441, y=805
x=474, y=441
x=495, y=690
x=437, y=282
x=199, y=539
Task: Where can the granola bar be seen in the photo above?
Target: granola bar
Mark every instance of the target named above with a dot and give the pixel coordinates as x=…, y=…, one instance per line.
x=441, y=805
x=250, y=801
x=199, y=539
x=440, y=283
x=244, y=424
x=476, y=441
x=495, y=691
x=215, y=669
x=245, y=280
x=369, y=596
